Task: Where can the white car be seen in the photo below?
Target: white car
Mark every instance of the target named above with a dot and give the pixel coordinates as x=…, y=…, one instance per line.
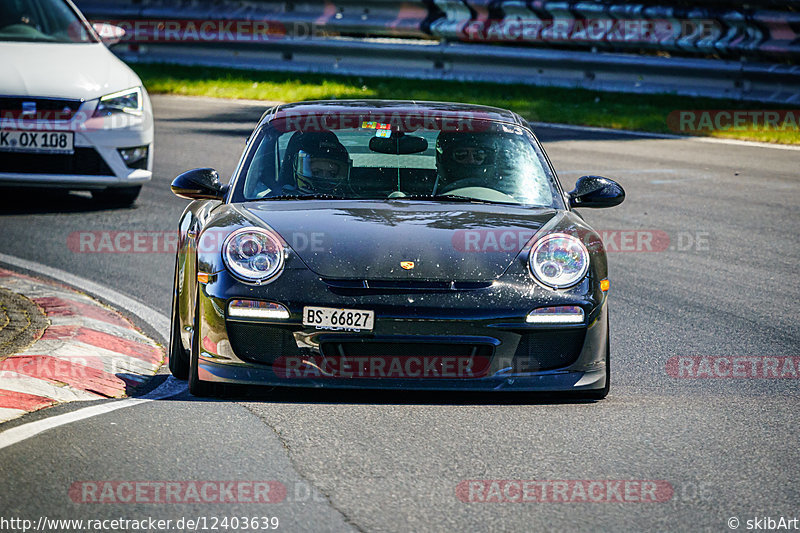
x=72, y=115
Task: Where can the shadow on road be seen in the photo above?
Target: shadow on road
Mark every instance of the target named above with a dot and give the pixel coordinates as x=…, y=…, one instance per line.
x=290, y=395
x=48, y=201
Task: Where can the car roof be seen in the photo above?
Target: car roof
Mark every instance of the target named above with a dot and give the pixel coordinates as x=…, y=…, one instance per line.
x=390, y=108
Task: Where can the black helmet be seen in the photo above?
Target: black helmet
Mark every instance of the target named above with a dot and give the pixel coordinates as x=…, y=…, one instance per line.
x=321, y=164
x=463, y=156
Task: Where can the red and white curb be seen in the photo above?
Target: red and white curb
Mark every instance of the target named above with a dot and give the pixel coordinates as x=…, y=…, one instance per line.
x=88, y=352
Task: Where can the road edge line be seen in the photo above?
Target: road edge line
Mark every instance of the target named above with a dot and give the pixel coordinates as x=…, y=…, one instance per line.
x=171, y=387
x=672, y=136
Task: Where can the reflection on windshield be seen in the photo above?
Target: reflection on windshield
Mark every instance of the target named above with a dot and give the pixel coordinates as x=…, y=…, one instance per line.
x=41, y=21
x=500, y=165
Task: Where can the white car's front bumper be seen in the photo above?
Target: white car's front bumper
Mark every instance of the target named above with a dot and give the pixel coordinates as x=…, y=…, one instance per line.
x=96, y=162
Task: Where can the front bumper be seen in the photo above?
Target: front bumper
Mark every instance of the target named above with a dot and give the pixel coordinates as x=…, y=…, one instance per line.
x=487, y=325
x=96, y=162
x=74, y=181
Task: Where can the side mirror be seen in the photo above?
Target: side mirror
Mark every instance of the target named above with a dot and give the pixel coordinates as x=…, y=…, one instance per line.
x=199, y=184
x=596, y=191
x=109, y=33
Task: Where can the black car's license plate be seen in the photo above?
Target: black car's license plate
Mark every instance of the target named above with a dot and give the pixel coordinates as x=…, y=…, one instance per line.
x=333, y=318
x=48, y=142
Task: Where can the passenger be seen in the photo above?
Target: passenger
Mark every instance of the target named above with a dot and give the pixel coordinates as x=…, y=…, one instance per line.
x=503, y=162
x=464, y=160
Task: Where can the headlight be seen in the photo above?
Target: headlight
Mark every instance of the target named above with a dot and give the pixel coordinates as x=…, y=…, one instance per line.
x=254, y=255
x=559, y=260
x=128, y=101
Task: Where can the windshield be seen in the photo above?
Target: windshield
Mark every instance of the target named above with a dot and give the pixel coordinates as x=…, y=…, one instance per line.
x=51, y=21
x=499, y=164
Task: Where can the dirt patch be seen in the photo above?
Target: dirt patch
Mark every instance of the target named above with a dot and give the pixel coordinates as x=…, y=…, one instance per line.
x=22, y=322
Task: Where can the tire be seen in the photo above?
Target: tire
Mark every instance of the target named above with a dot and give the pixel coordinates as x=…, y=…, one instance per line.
x=196, y=386
x=118, y=196
x=178, y=355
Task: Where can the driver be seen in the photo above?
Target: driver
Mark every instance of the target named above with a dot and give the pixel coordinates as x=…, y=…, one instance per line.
x=321, y=165
x=465, y=157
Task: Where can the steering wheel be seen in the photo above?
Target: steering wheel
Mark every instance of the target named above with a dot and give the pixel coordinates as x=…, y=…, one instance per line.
x=464, y=183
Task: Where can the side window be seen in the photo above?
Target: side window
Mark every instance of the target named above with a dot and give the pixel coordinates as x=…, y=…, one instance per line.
x=262, y=175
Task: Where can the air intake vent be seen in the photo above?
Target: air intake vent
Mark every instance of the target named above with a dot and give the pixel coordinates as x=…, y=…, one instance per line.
x=369, y=286
x=261, y=343
x=547, y=350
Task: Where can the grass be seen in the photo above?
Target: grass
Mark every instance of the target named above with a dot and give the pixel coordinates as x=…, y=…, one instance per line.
x=546, y=104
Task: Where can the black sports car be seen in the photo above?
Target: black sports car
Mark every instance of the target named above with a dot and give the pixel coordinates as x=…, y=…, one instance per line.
x=391, y=244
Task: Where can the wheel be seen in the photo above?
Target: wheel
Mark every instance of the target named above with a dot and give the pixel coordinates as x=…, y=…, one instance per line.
x=196, y=386
x=118, y=196
x=178, y=355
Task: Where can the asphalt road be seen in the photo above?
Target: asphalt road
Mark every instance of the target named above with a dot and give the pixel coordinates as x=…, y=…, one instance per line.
x=389, y=462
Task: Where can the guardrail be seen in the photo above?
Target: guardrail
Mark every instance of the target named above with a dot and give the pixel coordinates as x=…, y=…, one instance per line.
x=453, y=39
x=718, y=29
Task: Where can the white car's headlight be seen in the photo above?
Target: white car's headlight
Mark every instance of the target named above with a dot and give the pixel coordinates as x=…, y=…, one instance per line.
x=253, y=255
x=559, y=260
x=128, y=101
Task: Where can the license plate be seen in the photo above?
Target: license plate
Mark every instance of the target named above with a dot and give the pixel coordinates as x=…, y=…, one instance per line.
x=49, y=142
x=338, y=319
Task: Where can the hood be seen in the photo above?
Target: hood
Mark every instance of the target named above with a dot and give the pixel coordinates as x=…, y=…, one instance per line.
x=369, y=240
x=62, y=70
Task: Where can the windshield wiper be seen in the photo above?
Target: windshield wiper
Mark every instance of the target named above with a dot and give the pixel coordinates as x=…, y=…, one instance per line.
x=446, y=198
x=303, y=197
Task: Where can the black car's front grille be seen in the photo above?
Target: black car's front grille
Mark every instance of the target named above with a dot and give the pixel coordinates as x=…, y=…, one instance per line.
x=261, y=343
x=536, y=351
x=548, y=349
x=370, y=348
x=85, y=161
x=370, y=358
x=43, y=108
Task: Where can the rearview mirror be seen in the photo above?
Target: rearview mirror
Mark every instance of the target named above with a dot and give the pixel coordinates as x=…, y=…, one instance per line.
x=596, y=191
x=399, y=143
x=199, y=184
x=109, y=33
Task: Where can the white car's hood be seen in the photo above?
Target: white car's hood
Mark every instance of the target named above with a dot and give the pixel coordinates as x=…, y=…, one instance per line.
x=80, y=71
